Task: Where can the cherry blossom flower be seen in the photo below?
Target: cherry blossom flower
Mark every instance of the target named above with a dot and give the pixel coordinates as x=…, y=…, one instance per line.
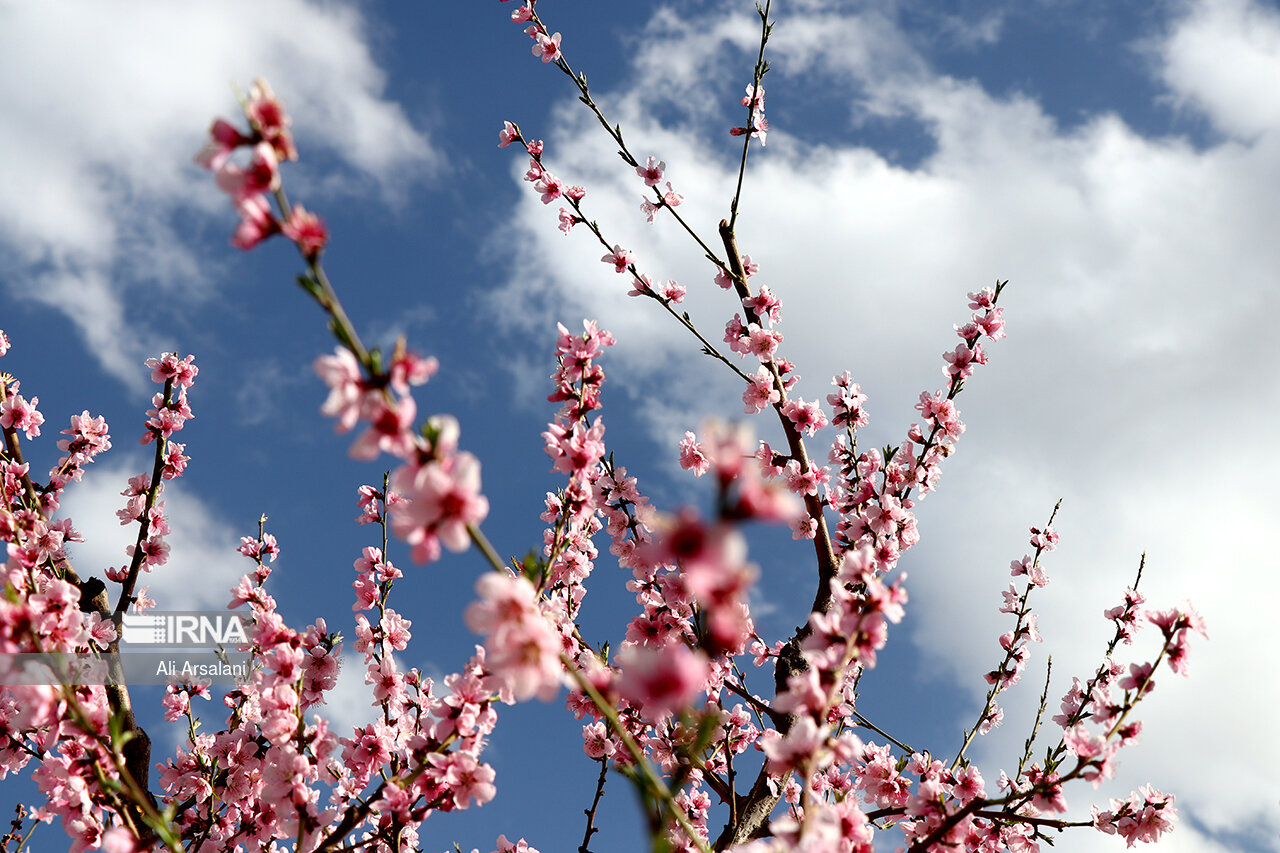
x=270, y=119
x=662, y=681
x=442, y=499
x=651, y=171
x=261, y=176
x=257, y=223
x=18, y=414
x=692, y=457
x=523, y=647
x=224, y=139
x=547, y=47
x=620, y=258
x=509, y=134
x=671, y=198
x=307, y=230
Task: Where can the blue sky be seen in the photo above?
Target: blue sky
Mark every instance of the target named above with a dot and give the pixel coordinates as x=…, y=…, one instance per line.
x=1116, y=161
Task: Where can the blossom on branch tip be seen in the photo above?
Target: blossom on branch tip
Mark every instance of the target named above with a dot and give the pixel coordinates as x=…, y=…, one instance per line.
x=509, y=134
x=269, y=118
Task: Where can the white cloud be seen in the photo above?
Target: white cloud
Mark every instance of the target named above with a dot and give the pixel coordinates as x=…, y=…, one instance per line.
x=104, y=107
x=1137, y=376
x=1222, y=59
x=203, y=564
x=350, y=704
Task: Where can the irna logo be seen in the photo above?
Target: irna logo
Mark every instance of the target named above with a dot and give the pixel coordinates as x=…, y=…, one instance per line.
x=186, y=630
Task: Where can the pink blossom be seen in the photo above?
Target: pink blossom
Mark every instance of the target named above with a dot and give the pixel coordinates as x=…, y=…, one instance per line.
x=672, y=198
x=662, y=681
x=805, y=739
x=256, y=222
x=674, y=292
x=17, y=414
x=643, y=286
x=651, y=171
x=764, y=305
x=692, y=457
x=961, y=361
x=261, y=176
x=442, y=498
x=567, y=220
x=342, y=373
x=595, y=741
x=521, y=846
x=1145, y=816
x=620, y=258
x=547, y=47
x=807, y=417
x=307, y=230
x=410, y=369
x=467, y=779
x=523, y=647
x=270, y=120
x=549, y=186
x=991, y=322
x=762, y=343
x=984, y=298
x=1139, y=676
x=390, y=428
x=509, y=134
x=760, y=393
x=224, y=138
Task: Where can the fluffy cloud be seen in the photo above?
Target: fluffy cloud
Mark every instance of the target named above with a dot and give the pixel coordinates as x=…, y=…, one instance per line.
x=104, y=106
x=203, y=564
x=1137, y=373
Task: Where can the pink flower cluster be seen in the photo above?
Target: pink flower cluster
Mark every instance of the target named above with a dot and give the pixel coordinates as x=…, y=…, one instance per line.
x=269, y=142
x=758, y=126
x=438, y=486
x=267, y=774
x=1145, y=816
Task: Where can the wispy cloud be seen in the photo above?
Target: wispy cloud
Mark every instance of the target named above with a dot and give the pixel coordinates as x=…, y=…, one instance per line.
x=104, y=107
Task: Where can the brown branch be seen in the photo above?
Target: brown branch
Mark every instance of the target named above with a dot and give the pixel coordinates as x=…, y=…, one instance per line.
x=592, y=829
